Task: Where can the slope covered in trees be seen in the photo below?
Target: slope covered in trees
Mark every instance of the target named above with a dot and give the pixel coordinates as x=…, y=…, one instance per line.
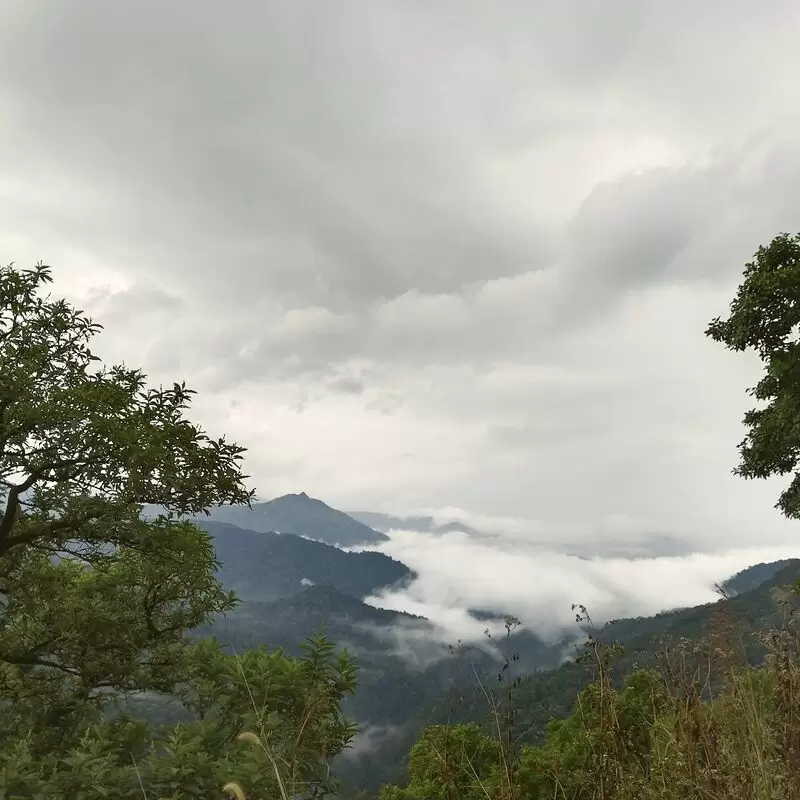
x=263, y=566
x=735, y=626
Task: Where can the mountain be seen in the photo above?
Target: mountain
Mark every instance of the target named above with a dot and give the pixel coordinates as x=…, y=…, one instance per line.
x=551, y=693
x=404, y=668
x=754, y=576
x=390, y=681
x=749, y=614
x=303, y=516
x=289, y=621
x=264, y=566
x=291, y=587
x=389, y=522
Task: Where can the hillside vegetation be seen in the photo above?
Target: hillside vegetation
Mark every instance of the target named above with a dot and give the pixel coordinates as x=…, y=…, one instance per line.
x=735, y=626
x=264, y=566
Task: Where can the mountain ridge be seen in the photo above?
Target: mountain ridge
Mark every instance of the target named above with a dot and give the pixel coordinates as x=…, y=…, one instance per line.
x=301, y=515
x=265, y=566
x=297, y=514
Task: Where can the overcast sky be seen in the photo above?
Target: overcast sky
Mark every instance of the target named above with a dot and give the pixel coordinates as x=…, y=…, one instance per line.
x=424, y=255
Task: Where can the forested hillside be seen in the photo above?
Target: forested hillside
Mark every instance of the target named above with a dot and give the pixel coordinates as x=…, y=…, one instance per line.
x=735, y=626
x=262, y=566
x=404, y=665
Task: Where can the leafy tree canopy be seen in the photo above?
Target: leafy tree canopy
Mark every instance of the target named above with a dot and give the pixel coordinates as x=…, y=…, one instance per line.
x=765, y=317
x=95, y=602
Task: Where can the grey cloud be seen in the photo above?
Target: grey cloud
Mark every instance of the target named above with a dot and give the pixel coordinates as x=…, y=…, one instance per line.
x=440, y=201
x=633, y=230
x=418, y=643
x=251, y=160
x=140, y=299
x=368, y=739
x=347, y=384
x=544, y=430
x=690, y=225
x=355, y=174
x=386, y=404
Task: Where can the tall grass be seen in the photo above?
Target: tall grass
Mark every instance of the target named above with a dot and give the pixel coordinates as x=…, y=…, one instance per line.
x=704, y=725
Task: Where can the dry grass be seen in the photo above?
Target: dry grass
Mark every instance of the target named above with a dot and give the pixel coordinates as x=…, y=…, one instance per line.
x=704, y=726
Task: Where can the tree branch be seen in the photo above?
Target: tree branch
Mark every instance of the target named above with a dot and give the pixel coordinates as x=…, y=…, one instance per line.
x=32, y=661
x=12, y=505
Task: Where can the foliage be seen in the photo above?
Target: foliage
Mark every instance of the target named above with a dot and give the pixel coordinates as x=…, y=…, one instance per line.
x=765, y=317
x=270, y=722
x=653, y=739
x=95, y=603
x=448, y=761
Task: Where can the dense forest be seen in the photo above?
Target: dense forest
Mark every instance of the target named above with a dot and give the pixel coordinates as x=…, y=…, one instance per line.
x=130, y=669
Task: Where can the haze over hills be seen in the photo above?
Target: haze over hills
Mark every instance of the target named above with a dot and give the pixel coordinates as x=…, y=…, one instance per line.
x=609, y=545
x=292, y=587
x=298, y=514
x=425, y=524
x=296, y=584
x=550, y=693
x=264, y=566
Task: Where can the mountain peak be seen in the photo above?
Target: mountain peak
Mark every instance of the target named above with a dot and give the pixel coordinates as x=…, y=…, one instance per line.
x=303, y=516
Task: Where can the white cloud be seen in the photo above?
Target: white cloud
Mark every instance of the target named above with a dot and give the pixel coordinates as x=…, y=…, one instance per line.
x=539, y=585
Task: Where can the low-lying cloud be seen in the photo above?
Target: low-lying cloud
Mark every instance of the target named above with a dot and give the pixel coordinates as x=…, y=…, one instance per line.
x=421, y=644
x=459, y=571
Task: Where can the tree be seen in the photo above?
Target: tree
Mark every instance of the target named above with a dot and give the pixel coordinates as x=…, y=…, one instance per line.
x=458, y=762
x=95, y=599
x=765, y=317
x=95, y=602
x=262, y=721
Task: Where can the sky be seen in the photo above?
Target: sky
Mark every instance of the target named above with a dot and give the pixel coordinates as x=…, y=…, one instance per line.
x=451, y=257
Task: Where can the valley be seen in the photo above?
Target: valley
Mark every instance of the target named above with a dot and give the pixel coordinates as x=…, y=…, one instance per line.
x=292, y=587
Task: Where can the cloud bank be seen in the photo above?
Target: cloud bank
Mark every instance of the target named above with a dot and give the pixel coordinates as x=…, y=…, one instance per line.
x=458, y=571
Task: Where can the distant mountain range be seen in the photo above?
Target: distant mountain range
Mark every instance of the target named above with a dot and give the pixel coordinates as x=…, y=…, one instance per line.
x=263, y=566
x=291, y=588
x=298, y=514
x=303, y=516
x=284, y=560
x=646, y=545
x=311, y=518
x=389, y=522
